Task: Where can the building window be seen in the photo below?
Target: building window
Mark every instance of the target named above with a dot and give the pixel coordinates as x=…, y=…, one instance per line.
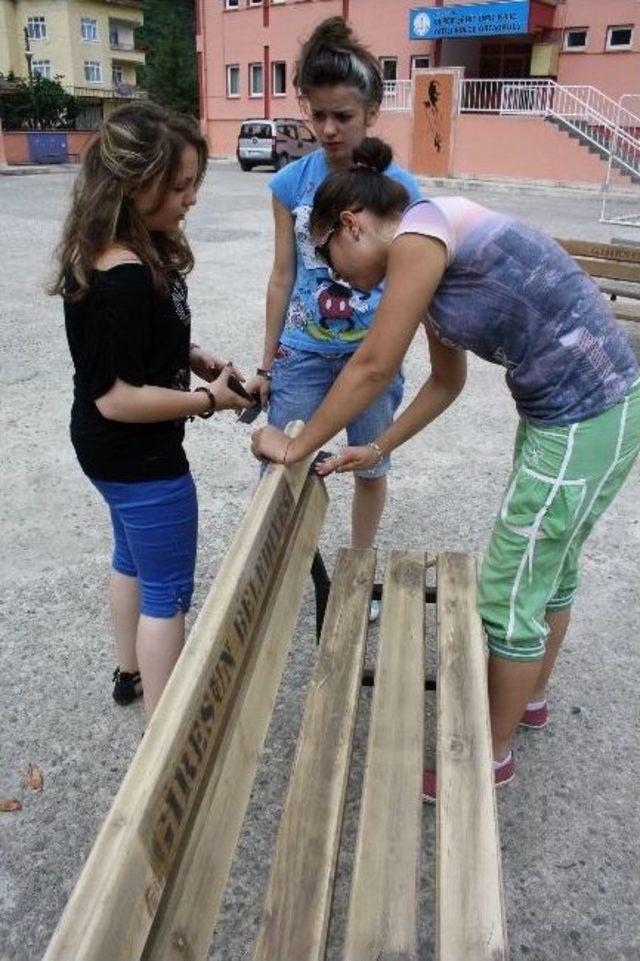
x=619, y=38
x=37, y=28
x=419, y=63
x=117, y=74
x=93, y=71
x=233, y=80
x=575, y=38
x=255, y=3
x=41, y=68
x=278, y=78
x=89, y=29
x=231, y=4
x=256, y=80
x=389, y=67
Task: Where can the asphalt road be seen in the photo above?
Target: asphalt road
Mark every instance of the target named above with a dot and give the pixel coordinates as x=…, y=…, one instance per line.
x=570, y=825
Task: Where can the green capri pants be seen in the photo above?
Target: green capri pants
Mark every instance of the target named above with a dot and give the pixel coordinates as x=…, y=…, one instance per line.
x=563, y=480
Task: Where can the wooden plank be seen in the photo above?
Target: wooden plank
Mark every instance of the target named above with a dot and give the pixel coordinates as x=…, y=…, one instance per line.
x=116, y=897
x=297, y=904
x=626, y=311
x=619, y=289
x=189, y=909
x=614, y=270
x=383, y=907
x=600, y=251
x=470, y=909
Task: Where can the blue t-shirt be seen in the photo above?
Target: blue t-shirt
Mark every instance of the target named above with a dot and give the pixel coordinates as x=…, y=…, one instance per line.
x=323, y=315
x=513, y=296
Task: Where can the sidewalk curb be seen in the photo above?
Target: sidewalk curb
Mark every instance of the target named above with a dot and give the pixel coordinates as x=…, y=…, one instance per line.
x=456, y=184
x=24, y=170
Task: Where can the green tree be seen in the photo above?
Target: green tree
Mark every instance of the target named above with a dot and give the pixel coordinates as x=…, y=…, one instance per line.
x=170, y=75
x=41, y=105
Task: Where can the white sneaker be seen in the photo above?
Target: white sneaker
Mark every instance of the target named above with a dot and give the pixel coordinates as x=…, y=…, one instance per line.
x=374, y=612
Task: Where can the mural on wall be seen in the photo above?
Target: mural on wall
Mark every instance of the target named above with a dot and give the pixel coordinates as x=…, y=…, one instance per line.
x=433, y=114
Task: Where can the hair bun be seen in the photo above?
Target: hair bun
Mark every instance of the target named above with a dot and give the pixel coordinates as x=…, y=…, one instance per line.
x=372, y=154
x=334, y=33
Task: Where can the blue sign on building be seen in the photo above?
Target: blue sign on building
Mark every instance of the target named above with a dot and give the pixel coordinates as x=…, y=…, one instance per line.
x=469, y=20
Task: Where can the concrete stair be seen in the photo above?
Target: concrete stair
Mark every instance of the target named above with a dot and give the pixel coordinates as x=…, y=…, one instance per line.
x=582, y=131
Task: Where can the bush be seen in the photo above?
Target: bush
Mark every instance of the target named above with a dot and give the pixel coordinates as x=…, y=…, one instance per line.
x=40, y=105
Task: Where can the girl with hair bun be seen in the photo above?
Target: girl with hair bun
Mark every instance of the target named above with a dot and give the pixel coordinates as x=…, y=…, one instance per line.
x=122, y=262
x=315, y=321
x=491, y=284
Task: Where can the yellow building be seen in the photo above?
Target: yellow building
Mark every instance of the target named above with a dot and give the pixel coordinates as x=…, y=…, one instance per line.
x=89, y=44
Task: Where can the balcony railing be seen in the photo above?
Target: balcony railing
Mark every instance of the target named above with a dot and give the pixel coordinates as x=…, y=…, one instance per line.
x=118, y=91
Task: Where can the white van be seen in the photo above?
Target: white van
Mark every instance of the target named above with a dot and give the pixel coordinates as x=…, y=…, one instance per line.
x=273, y=142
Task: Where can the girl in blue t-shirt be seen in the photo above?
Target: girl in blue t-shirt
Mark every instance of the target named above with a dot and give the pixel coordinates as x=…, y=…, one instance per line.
x=314, y=320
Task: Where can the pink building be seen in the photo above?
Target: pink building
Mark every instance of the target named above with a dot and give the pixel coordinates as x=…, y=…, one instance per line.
x=247, y=50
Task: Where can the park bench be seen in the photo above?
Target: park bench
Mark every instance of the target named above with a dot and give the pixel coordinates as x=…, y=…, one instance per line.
x=153, y=884
x=615, y=267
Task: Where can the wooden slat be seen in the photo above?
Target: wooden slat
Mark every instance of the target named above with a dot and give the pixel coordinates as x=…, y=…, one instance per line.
x=612, y=269
x=619, y=288
x=296, y=909
x=470, y=909
x=626, y=311
x=188, y=912
x=599, y=251
x=116, y=898
x=383, y=907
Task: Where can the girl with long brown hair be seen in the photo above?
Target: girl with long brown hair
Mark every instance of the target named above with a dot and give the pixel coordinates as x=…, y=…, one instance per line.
x=122, y=265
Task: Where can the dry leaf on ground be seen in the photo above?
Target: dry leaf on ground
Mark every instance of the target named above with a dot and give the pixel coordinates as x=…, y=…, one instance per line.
x=34, y=778
x=10, y=804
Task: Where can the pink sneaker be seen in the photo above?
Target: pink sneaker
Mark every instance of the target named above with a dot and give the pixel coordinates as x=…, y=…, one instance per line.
x=504, y=775
x=536, y=719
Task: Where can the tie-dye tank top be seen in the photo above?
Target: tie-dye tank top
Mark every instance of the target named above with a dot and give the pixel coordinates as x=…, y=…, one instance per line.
x=513, y=296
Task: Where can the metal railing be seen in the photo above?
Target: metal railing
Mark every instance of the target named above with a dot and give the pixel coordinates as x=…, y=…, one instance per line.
x=398, y=95
x=625, y=217
x=124, y=91
x=596, y=118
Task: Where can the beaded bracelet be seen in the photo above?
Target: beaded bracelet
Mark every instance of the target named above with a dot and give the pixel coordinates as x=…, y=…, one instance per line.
x=212, y=402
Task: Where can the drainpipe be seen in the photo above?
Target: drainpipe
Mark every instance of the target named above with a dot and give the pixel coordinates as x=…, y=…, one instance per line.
x=345, y=10
x=3, y=156
x=265, y=80
x=201, y=31
x=437, y=47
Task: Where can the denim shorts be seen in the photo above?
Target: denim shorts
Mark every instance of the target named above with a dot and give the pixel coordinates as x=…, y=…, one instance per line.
x=302, y=379
x=155, y=528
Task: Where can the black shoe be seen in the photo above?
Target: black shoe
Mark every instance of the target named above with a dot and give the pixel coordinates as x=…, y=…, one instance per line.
x=124, y=686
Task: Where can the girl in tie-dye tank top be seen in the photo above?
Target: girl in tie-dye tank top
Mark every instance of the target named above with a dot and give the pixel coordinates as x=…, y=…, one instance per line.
x=491, y=284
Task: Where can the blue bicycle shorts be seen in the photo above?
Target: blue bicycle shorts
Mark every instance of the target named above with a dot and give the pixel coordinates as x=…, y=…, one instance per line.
x=155, y=528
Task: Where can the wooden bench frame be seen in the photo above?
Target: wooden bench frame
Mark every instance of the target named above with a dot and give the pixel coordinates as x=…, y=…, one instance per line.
x=615, y=267
x=153, y=884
